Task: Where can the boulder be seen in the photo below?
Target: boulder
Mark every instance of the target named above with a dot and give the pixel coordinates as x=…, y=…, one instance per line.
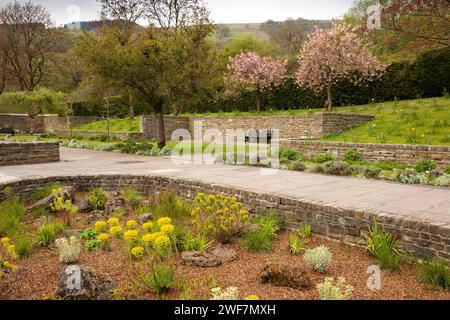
x=69, y=191
x=96, y=216
x=113, y=205
x=82, y=283
x=83, y=205
x=224, y=253
x=199, y=259
x=286, y=276
x=143, y=218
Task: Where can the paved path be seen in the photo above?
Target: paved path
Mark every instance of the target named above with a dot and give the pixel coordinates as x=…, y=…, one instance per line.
x=345, y=192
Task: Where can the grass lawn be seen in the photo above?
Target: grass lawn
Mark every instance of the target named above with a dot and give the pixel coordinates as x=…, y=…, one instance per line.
x=116, y=125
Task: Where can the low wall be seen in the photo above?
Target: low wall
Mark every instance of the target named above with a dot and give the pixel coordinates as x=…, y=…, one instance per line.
x=417, y=236
x=87, y=134
x=46, y=123
x=302, y=126
x=15, y=153
x=403, y=153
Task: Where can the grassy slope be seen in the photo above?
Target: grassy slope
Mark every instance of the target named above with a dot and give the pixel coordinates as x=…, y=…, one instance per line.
x=116, y=125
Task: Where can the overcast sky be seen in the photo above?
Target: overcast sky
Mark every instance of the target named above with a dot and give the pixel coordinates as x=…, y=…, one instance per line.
x=222, y=11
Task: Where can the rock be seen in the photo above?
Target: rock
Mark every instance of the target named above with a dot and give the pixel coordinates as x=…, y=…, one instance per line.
x=36, y=140
x=143, y=218
x=286, y=276
x=199, y=259
x=69, y=191
x=83, y=205
x=251, y=227
x=224, y=253
x=72, y=143
x=96, y=215
x=82, y=283
x=72, y=233
x=113, y=205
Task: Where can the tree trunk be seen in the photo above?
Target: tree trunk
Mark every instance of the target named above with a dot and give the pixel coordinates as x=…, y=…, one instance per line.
x=330, y=98
x=258, y=101
x=161, y=135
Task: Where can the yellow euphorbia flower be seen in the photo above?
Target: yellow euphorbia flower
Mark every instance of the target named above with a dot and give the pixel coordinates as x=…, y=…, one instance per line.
x=113, y=222
x=132, y=224
x=100, y=226
x=168, y=229
x=163, y=221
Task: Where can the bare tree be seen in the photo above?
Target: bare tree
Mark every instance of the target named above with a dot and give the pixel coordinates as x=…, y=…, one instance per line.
x=290, y=35
x=28, y=42
x=428, y=20
x=171, y=14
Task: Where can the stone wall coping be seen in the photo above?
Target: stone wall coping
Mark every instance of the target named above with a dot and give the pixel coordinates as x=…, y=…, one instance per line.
x=316, y=114
x=361, y=144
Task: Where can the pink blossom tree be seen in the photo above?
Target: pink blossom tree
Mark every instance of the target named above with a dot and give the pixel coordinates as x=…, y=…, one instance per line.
x=329, y=55
x=250, y=72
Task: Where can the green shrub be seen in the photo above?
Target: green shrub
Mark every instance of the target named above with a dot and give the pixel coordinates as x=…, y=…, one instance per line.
x=389, y=165
x=167, y=204
x=425, y=165
x=290, y=154
x=97, y=198
x=143, y=209
x=335, y=290
x=353, y=156
x=319, y=258
x=447, y=170
x=132, y=197
x=11, y=213
x=368, y=172
x=272, y=218
x=317, y=168
x=436, y=273
x=383, y=246
x=305, y=230
x=161, y=279
x=93, y=245
x=298, y=166
x=40, y=212
x=48, y=232
x=196, y=243
x=296, y=245
x=90, y=234
x=442, y=181
x=408, y=176
x=218, y=217
x=323, y=157
x=24, y=245
x=260, y=240
x=337, y=168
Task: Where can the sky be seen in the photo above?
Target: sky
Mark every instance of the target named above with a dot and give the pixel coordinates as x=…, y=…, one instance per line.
x=222, y=11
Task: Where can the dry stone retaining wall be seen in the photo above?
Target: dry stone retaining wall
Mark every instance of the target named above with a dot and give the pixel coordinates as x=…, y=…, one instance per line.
x=421, y=237
x=15, y=153
x=402, y=153
x=302, y=126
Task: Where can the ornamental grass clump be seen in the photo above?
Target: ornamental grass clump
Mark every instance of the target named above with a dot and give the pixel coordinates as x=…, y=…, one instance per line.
x=69, y=249
x=218, y=217
x=319, y=258
x=97, y=199
x=335, y=290
x=436, y=272
x=383, y=246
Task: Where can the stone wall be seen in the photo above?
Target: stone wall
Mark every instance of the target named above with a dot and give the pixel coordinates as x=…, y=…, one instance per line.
x=302, y=126
x=402, y=153
x=15, y=153
x=416, y=235
x=46, y=123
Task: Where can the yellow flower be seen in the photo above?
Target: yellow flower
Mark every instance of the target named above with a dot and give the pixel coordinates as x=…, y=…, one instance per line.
x=6, y=242
x=100, y=226
x=116, y=231
x=167, y=229
x=148, y=226
x=131, y=235
x=113, y=222
x=252, y=297
x=148, y=239
x=132, y=224
x=103, y=238
x=8, y=265
x=12, y=251
x=137, y=253
x=163, y=221
x=162, y=242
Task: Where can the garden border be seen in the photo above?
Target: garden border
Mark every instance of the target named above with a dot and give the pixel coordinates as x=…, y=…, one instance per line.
x=416, y=236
